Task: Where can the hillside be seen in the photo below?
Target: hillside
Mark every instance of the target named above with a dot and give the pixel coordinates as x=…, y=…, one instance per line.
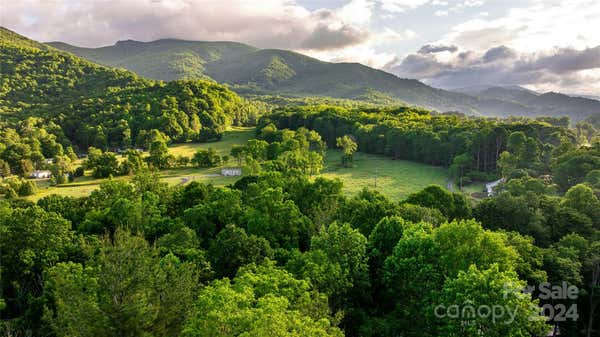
x=270, y=71
x=85, y=104
x=163, y=59
x=281, y=72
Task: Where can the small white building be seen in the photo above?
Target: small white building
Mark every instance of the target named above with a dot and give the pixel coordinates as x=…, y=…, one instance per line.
x=231, y=171
x=40, y=174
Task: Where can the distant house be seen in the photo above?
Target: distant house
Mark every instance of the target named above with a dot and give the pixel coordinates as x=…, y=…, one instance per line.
x=40, y=174
x=231, y=171
x=49, y=161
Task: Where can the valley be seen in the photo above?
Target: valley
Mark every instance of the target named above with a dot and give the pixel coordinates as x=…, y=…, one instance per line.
x=358, y=211
x=396, y=179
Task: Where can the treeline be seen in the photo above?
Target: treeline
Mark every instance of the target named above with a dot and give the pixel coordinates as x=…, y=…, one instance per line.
x=475, y=144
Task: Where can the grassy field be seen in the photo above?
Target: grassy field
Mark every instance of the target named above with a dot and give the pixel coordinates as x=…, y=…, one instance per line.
x=85, y=185
x=395, y=178
x=236, y=135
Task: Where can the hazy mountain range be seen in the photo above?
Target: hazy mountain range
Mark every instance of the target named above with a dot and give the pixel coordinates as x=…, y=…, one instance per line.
x=272, y=71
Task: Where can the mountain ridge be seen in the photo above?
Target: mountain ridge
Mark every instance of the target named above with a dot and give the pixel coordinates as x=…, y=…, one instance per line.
x=248, y=69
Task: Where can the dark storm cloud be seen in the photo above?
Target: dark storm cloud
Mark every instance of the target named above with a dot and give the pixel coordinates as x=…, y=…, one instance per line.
x=326, y=38
x=499, y=53
x=432, y=49
x=566, y=60
x=500, y=65
x=420, y=66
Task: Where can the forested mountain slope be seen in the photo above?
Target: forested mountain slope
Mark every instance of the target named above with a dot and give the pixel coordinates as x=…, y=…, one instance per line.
x=92, y=105
x=270, y=71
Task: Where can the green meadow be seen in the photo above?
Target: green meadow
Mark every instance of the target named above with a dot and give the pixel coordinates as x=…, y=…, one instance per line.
x=393, y=178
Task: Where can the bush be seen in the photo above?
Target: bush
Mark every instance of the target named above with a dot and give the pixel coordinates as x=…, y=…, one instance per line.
x=79, y=172
x=28, y=187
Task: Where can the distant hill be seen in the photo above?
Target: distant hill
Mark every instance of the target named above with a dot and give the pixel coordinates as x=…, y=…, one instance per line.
x=250, y=70
x=532, y=103
x=163, y=59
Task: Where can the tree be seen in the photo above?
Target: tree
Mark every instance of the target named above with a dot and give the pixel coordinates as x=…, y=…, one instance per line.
x=491, y=289
x=337, y=265
x=26, y=251
x=366, y=209
x=233, y=248
x=414, y=274
x=382, y=241
x=458, y=167
x=103, y=164
x=134, y=163
x=582, y=198
x=261, y=301
x=27, y=188
x=126, y=289
x=278, y=220
x=61, y=168
x=452, y=205
x=206, y=158
x=159, y=156
x=26, y=167
x=4, y=169
x=238, y=152
x=348, y=146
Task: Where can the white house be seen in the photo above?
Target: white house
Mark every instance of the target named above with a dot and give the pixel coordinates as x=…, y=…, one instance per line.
x=40, y=174
x=231, y=171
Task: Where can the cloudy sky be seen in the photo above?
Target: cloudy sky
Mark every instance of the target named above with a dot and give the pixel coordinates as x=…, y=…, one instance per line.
x=541, y=44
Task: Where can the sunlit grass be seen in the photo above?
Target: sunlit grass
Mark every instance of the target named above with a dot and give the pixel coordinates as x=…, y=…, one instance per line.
x=394, y=178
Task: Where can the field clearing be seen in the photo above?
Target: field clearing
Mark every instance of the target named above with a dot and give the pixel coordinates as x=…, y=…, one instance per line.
x=396, y=179
x=233, y=136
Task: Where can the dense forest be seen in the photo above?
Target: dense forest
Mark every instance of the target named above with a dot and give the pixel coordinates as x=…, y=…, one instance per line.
x=284, y=254
x=282, y=251
x=80, y=104
x=470, y=146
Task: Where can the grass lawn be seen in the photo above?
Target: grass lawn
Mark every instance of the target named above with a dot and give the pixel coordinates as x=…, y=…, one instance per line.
x=395, y=178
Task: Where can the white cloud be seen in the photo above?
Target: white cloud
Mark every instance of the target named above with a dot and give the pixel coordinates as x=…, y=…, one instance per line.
x=558, y=69
x=337, y=34
x=399, y=6
x=539, y=26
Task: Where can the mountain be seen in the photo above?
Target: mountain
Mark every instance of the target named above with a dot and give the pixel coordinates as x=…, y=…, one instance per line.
x=522, y=101
x=166, y=59
x=250, y=70
x=85, y=104
x=269, y=71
